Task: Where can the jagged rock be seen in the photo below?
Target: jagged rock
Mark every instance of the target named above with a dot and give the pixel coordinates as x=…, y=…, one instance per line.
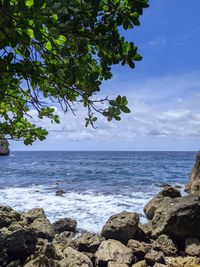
x=7, y=216
x=4, y=146
x=165, y=244
x=154, y=256
x=182, y=261
x=166, y=196
x=121, y=226
x=60, y=193
x=65, y=224
x=38, y=221
x=192, y=246
x=20, y=244
x=42, y=261
x=179, y=220
x=113, y=250
x=64, y=237
x=142, y=263
x=88, y=242
x=75, y=258
x=139, y=248
x=193, y=187
x=116, y=264
x=159, y=265
x=143, y=232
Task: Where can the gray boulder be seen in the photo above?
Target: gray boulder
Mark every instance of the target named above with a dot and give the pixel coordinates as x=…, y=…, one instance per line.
x=153, y=257
x=193, y=186
x=75, y=258
x=122, y=226
x=179, y=220
x=165, y=244
x=7, y=216
x=192, y=246
x=88, y=242
x=4, y=146
x=139, y=248
x=65, y=224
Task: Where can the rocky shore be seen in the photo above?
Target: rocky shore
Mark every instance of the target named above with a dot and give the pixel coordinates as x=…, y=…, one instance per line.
x=4, y=146
x=170, y=238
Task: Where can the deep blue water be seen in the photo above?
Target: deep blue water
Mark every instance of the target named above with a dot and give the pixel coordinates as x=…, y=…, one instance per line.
x=97, y=184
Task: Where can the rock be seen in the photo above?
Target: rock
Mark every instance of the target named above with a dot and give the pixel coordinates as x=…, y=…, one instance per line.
x=121, y=226
x=64, y=237
x=113, y=250
x=65, y=224
x=142, y=263
x=192, y=246
x=4, y=146
x=42, y=261
x=182, y=261
x=20, y=244
x=153, y=257
x=75, y=258
x=7, y=216
x=38, y=221
x=116, y=264
x=165, y=244
x=166, y=196
x=159, y=265
x=143, y=232
x=179, y=220
x=193, y=186
x=139, y=248
x=60, y=193
x=88, y=242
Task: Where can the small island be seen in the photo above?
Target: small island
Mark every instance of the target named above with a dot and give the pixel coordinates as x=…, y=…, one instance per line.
x=4, y=146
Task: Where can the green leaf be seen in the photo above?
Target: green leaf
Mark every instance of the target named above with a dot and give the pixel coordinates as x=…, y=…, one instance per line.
x=29, y=3
x=137, y=57
x=49, y=46
x=30, y=33
x=61, y=40
x=125, y=109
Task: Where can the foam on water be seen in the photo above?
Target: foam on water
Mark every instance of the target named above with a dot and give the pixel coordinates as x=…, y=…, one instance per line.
x=90, y=209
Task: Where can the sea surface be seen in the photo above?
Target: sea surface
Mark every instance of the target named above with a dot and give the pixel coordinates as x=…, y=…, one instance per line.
x=97, y=184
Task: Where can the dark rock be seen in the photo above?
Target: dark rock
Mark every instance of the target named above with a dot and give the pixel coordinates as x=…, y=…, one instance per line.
x=139, y=248
x=192, y=246
x=65, y=224
x=193, y=187
x=88, y=242
x=20, y=244
x=143, y=232
x=169, y=191
x=179, y=220
x=4, y=146
x=153, y=257
x=122, y=226
x=60, y=193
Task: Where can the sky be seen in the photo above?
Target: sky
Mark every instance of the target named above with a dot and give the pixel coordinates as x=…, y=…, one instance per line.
x=163, y=90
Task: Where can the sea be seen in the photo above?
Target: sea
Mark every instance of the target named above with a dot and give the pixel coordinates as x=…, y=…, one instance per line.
x=96, y=184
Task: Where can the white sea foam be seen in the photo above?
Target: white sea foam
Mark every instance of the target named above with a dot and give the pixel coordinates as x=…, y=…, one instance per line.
x=90, y=209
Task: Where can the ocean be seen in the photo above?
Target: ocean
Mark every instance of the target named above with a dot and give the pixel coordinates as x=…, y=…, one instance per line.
x=96, y=184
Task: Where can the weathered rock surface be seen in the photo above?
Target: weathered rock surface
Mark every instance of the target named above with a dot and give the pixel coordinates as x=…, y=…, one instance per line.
x=154, y=256
x=193, y=187
x=182, y=261
x=192, y=246
x=180, y=219
x=116, y=264
x=142, y=263
x=75, y=258
x=121, y=226
x=65, y=224
x=7, y=216
x=139, y=248
x=166, y=196
x=112, y=250
x=4, y=146
x=88, y=242
x=165, y=244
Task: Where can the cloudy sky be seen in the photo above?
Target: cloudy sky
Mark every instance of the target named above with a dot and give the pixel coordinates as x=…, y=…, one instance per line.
x=163, y=90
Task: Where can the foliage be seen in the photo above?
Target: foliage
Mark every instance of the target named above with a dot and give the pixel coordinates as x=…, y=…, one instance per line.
x=58, y=53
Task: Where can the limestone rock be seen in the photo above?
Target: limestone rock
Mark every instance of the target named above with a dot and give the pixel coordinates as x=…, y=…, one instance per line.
x=182, y=261
x=42, y=261
x=139, y=248
x=113, y=250
x=4, y=146
x=75, y=258
x=193, y=187
x=154, y=256
x=116, y=264
x=7, y=216
x=159, y=265
x=142, y=263
x=165, y=244
x=192, y=246
x=88, y=242
x=175, y=220
x=65, y=224
x=121, y=226
x=166, y=196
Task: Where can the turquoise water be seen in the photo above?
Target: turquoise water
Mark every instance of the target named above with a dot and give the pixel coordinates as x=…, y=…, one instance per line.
x=97, y=184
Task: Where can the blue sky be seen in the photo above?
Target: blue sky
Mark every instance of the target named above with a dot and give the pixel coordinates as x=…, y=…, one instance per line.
x=163, y=90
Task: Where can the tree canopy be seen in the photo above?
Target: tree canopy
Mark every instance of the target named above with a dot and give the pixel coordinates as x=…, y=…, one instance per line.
x=58, y=53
